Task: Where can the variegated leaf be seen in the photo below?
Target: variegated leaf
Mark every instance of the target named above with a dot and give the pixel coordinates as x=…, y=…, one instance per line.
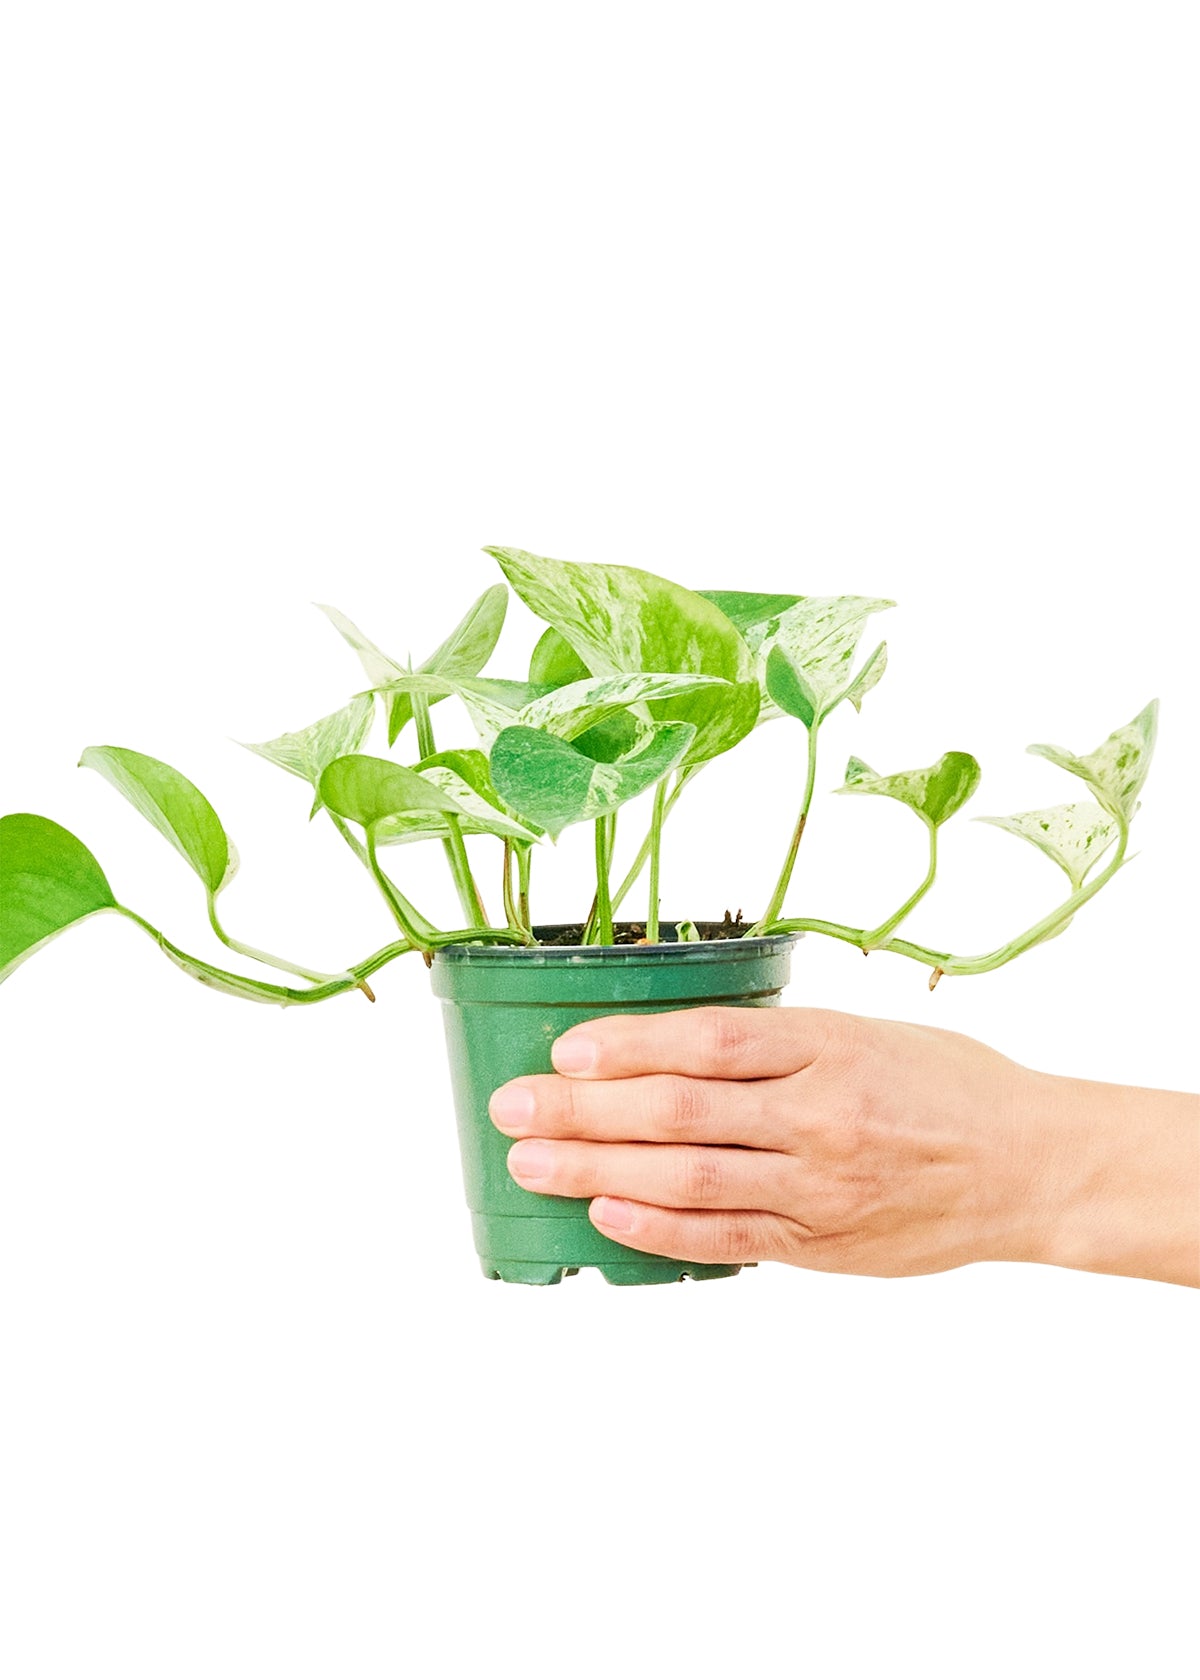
x=868, y=676
x=572, y=710
x=551, y=782
x=1118, y=768
x=934, y=793
x=622, y=621
x=1074, y=836
x=464, y=653
x=306, y=752
x=818, y=637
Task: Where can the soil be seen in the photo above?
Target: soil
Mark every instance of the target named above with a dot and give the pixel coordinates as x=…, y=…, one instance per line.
x=634, y=933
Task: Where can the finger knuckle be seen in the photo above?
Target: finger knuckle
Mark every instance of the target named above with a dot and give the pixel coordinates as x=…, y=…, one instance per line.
x=700, y=1177
x=680, y=1105
x=723, y=1035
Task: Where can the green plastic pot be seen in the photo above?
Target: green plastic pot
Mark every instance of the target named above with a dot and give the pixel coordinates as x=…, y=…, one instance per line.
x=503, y=1007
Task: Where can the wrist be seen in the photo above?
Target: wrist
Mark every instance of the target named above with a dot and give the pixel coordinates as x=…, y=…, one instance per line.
x=1118, y=1188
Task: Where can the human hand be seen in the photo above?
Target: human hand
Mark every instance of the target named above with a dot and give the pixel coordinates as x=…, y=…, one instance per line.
x=852, y=1145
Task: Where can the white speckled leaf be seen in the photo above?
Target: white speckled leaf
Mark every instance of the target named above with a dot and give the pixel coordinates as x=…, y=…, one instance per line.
x=572, y=710
x=552, y=783
x=174, y=806
x=935, y=793
x=819, y=636
x=622, y=621
x=306, y=752
x=1118, y=768
x=1074, y=836
x=464, y=653
x=869, y=674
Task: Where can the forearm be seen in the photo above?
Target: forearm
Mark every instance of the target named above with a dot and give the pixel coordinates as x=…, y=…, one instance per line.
x=1120, y=1181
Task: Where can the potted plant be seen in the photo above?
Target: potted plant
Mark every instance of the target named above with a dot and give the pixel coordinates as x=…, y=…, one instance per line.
x=635, y=685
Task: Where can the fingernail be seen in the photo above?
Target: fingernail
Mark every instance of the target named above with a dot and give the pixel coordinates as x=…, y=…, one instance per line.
x=529, y=1161
x=512, y=1107
x=573, y=1053
x=614, y=1215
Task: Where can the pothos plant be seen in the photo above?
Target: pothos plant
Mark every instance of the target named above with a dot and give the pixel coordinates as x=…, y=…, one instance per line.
x=635, y=685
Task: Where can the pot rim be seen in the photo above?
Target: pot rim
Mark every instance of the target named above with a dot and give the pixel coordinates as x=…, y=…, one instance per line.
x=666, y=950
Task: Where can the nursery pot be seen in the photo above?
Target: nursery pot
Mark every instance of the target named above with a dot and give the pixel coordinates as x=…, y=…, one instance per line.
x=503, y=1007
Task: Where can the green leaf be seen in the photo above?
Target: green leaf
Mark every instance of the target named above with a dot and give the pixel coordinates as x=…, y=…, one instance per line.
x=1118, y=768
x=818, y=638
x=48, y=881
x=365, y=790
x=466, y=777
x=464, y=653
x=1074, y=836
x=689, y=933
x=577, y=707
x=786, y=687
x=554, y=662
x=551, y=782
x=623, y=622
x=175, y=806
x=935, y=794
x=307, y=752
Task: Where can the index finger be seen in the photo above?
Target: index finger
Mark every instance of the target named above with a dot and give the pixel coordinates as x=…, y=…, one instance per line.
x=711, y=1042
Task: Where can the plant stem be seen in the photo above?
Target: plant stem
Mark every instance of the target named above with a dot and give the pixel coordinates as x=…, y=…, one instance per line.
x=773, y=909
x=510, y=903
x=877, y=936
x=453, y=845
x=314, y=974
x=352, y=840
x=263, y=991
x=639, y=862
x=605, y=836
x=524, y=870
x=656, y=827
x=943, y=962
x=408, y=918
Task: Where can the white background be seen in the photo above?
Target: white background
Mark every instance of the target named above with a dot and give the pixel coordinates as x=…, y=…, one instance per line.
x=310, y=302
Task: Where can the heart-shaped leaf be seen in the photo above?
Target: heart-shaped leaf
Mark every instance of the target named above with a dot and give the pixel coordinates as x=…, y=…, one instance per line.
x=935, y=793
x=551, y=782
x=464, y=653
x=175, y=806
x=48, y=881
x=1118, y=768
x=1075, y=836
x=466, y=777
x=306, y=752
x=366, y=790
x=622, y=622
